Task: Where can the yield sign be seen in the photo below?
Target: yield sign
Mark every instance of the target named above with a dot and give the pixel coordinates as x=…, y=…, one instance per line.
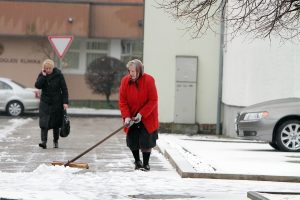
x=60, y=44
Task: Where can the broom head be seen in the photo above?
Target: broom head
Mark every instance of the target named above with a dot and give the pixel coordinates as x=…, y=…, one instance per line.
x=71, y=164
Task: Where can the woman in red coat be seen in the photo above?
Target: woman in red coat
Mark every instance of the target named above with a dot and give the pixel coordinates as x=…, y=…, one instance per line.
x=139, y=103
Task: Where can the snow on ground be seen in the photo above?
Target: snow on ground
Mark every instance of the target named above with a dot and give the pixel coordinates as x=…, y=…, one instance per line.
x=49, y=182
x=8, y=129
x=92, y=111
x=234, y=156
x=57, y=182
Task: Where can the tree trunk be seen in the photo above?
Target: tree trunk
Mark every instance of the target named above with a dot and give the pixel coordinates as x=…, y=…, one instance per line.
x=108, y=101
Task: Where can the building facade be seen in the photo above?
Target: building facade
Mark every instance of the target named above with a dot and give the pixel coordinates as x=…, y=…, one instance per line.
x=186, y=71
x=251, y=71
x=100, y=28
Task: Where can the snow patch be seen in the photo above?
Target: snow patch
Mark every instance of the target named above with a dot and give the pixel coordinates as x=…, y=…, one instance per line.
x=12, y=126
x=197, y=162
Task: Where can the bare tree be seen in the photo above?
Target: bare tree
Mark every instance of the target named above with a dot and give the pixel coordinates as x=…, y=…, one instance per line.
x=43, y=46
x=263, y=18
x=103, y=75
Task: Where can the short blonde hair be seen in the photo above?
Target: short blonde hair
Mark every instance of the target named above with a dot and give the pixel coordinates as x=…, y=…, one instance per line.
x=48, y=62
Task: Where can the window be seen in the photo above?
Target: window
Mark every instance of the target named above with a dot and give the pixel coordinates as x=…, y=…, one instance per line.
x=90, y=57
x=97, y=45
x=96, y=49
x=131, y=49
x=19, y=84
x=71, y=59
x=84, y=51
x=4, y=86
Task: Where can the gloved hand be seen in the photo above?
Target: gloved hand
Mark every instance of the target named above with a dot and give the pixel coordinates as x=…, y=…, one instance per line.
x=137, y=118
x=127, y=121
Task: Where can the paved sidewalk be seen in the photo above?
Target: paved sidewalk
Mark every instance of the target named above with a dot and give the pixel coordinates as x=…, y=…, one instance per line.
x=22, y=153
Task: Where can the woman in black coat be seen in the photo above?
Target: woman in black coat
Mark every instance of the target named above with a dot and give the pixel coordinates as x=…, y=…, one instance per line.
x=54, y=99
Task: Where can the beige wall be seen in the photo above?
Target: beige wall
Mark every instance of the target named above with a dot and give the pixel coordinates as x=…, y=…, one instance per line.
x=20, y=60
x=119, y=21
x=31, y=18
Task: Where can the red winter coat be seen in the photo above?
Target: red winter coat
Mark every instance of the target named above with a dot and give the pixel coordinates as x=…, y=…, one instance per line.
x=140, y=98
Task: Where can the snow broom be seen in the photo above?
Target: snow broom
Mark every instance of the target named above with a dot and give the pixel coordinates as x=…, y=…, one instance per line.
x=72, y=163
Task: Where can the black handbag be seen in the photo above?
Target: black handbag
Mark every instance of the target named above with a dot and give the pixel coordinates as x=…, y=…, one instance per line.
x=65, y=128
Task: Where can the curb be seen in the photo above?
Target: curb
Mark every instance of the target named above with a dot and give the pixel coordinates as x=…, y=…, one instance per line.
x=93, y=115
x=186, y=170
x=255, y=196
x=258, y=195
x=181, y=165
x=80, y=114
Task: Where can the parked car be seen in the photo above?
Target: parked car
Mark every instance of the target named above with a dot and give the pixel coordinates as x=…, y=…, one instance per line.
x=276, y=122
x=16, y=98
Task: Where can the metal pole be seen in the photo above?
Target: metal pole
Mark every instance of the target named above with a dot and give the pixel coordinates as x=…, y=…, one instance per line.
x=220, y=85
x=58, y=62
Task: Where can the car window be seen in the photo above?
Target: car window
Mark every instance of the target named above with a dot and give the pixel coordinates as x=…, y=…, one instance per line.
x=4, y=86
x=19, y=84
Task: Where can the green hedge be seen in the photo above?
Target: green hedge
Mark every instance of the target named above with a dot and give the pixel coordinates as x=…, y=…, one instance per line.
x=94, y=104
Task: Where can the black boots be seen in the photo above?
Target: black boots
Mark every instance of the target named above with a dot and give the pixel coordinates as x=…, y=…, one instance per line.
x=146, y=157
x=43, y=145
x=141, y=166
x=55, y=144
x=138, y=165
x=146, y=167
x=55, y=138
x=44, y=137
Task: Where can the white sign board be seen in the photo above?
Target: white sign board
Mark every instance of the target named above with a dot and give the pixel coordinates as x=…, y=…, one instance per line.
x=60, y=44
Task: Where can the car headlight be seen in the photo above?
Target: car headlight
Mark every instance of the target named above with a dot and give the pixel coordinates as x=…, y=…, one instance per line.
x=255, y=116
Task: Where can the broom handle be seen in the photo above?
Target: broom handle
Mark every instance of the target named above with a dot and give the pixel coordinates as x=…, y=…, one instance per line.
x=89, y=149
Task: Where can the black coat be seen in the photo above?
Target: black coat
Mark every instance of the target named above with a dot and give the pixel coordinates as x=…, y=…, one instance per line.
x=54, y=95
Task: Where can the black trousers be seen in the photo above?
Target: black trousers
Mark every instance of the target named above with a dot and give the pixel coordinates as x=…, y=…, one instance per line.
x=44, y=135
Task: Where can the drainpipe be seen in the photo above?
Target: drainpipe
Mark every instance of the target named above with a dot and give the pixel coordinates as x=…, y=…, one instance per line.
x=220, y=85
x=91, y=20
x=143, y=27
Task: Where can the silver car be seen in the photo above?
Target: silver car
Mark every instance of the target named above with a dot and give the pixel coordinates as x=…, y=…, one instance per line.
x=276, y=122
x=15, y=98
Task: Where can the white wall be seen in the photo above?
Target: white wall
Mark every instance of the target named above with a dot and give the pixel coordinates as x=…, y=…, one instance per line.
x=164, y=39
x=260, y=70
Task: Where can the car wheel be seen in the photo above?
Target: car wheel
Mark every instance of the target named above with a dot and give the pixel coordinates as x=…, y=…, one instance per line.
x=14, y=108
x=288, y=136
x=274, y=145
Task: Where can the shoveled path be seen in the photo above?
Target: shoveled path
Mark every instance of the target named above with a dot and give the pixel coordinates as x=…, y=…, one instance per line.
x=22, y=154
